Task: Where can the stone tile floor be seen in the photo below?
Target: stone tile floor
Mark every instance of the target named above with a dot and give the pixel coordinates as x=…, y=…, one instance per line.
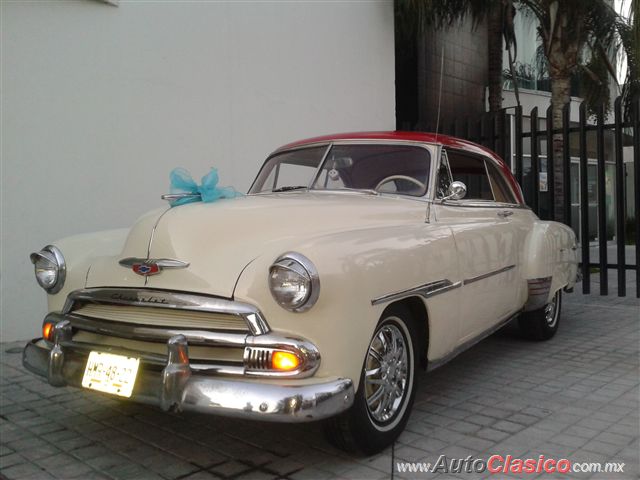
x=576, y=396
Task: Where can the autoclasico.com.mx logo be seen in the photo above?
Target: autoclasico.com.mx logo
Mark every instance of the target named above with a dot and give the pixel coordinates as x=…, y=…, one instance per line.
x=508, y=464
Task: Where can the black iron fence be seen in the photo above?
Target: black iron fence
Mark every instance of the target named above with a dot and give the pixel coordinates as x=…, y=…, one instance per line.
x=599, y=178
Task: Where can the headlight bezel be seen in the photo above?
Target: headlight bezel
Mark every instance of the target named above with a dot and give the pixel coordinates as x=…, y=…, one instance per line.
x=53, y=255
x=302, y=266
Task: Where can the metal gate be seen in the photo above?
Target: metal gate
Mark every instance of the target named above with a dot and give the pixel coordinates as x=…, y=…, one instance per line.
x=601, y=178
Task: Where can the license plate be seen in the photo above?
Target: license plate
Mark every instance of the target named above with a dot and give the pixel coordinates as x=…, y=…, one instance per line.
x=111, y=373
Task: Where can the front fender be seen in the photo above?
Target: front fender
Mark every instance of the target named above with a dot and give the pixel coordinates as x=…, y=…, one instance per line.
x=354, y=268
x=78, y=252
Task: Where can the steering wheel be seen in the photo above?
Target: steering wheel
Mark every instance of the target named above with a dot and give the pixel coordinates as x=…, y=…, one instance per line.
x=401, y=177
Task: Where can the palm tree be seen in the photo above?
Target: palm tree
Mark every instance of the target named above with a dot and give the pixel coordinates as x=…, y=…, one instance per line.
x=577, y=35
x=630, y=39
x=573, y=32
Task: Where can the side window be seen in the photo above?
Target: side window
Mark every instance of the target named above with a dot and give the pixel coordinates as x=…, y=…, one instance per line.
x=444, y=177
x=471, y=171
x=501, y=190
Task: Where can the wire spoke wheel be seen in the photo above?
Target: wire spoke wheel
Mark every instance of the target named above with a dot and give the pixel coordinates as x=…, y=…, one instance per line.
x=542, y=323
x=386, y=386
x=386, y=373
x=551, y=311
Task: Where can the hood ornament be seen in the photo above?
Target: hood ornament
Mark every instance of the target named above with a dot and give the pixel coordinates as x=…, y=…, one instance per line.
x=151, y=266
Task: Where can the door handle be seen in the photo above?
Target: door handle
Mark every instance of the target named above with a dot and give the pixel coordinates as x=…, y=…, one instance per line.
x=505, y=213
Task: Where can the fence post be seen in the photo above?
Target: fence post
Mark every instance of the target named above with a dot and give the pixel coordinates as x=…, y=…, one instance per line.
x=620, y=216
x=551, y=172
x=492, y=132
x=584, y=202
x=566, y=165
x=504, y=133
x=534, y=160
x=636, y=174
x=602, y=207
x=518, y=146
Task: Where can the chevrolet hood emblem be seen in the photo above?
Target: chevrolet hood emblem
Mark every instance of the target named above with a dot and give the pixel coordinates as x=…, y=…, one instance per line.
x=151, y=266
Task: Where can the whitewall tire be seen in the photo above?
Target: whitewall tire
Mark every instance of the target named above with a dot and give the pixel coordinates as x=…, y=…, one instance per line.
x=386, y=390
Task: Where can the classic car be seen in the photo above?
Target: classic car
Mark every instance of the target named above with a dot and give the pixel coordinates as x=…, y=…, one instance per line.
x=353, y=261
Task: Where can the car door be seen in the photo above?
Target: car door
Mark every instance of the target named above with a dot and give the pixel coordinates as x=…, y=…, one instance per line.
x=486, y=240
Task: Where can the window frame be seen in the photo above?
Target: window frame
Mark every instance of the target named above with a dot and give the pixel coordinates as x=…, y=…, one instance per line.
x=432, y=150
x=476, y=202
x=444, y=158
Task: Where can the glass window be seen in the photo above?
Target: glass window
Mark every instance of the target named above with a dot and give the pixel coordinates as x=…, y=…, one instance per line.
x=444, y=178
x=290, y=170
x=398, y=169
x=501, y=190
x=385, y=168
x=471, y=171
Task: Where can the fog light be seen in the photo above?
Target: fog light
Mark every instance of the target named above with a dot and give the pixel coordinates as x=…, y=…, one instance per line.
x=284, y=361
x=47, y=331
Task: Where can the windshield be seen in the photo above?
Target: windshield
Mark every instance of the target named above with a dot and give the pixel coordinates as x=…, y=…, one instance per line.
x=384, y=168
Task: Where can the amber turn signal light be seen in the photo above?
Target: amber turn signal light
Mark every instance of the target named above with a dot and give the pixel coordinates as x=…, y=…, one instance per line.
x=284, y=361
x=47, y=331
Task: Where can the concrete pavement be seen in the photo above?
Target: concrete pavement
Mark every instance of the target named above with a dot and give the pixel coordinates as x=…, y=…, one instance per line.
x=574, y=397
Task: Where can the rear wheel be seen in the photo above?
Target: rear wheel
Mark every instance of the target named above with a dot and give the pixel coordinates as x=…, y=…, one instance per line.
x=542, y=324
x=386, y=390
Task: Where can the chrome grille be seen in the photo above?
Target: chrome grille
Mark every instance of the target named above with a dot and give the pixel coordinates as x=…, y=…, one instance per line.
x=258, y=358
x=162, y=317
x=187, y=309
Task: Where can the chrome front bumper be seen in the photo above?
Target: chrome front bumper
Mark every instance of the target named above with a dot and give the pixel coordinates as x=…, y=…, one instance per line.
x=175, y=386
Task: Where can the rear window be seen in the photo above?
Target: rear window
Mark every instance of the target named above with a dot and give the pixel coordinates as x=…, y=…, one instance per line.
x=471, y=171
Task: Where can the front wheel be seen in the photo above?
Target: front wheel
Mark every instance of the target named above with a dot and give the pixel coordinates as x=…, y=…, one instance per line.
x=386, y=390
x=542, y=324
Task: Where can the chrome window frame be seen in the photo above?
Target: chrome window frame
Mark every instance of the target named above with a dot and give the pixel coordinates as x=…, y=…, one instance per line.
x=433, y=148
x=286, y=150
x=506, y=183
x=479, y=203
x=441, y=157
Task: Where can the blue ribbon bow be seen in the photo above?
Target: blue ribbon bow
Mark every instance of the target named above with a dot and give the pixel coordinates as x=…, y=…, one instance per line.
x=182, y=182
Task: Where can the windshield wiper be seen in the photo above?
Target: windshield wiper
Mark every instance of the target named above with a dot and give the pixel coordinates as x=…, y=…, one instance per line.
x=289, y=188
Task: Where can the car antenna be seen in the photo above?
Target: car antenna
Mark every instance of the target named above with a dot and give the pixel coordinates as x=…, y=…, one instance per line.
x=440, y=91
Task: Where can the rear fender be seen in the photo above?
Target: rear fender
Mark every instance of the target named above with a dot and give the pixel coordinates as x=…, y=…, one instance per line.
x=551, y=262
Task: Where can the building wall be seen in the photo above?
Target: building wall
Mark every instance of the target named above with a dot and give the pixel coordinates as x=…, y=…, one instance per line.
x=465, y=72
x=100, y=102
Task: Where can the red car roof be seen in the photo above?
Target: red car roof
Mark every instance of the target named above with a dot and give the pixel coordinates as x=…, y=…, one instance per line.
x=424, y=137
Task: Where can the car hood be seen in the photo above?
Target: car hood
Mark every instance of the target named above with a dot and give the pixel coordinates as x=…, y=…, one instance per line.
x=218, y=240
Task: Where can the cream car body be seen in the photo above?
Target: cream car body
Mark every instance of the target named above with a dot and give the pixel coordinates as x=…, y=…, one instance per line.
x=463, y=267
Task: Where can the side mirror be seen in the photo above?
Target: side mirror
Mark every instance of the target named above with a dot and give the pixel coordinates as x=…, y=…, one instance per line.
x=457, y=191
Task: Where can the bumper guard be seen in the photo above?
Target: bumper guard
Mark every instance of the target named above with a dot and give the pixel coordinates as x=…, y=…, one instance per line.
x=178, y=387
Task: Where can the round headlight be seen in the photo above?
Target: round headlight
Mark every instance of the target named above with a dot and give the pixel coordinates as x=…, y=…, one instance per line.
x=294, y=282
x=49, y=268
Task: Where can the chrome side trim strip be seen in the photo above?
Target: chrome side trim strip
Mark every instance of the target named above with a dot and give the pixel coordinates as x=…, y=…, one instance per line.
x=467, y=281
x=147, y=297
x=426, y=291
x=433, y=364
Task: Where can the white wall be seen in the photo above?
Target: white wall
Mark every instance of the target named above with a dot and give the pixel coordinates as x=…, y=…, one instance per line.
x=99, y=103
